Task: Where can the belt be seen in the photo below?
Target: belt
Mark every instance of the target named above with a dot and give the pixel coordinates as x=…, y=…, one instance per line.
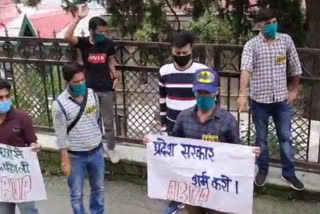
x=86, y=152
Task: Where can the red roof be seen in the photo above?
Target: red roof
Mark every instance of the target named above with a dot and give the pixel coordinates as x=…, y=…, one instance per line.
x=7, y=11
x=47, y=23
x=4, y=22
x=5, y=2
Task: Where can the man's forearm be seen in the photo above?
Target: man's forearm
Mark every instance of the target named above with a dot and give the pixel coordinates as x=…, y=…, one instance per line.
x=294, y=83
x=244, y=81
x=112, y=67
x=114, y=72
x=64, y=154
x=69, y=33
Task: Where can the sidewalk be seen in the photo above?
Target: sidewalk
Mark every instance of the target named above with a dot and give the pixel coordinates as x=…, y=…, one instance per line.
x=129, y=198
x=137, y=153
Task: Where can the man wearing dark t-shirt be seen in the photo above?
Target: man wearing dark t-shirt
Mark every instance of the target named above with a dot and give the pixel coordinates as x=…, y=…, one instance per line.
x=95, y=59
x=98, y=59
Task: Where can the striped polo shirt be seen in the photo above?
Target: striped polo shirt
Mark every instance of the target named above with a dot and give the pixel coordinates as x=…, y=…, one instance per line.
x=86, y=135
x=176, y=92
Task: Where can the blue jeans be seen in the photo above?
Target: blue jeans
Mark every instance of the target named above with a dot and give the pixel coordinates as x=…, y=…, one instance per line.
x=24, y=208
x=281, y=113
x=93, y=163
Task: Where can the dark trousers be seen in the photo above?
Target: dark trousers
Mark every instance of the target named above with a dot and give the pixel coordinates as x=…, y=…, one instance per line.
x=281, y=113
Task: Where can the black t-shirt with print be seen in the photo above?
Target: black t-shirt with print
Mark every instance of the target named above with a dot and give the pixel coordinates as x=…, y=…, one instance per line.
x=96, y=62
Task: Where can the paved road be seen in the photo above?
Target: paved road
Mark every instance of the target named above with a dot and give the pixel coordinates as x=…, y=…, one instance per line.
x=128, y=198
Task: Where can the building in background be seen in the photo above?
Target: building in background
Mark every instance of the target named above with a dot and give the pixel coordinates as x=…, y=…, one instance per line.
x=48, y=20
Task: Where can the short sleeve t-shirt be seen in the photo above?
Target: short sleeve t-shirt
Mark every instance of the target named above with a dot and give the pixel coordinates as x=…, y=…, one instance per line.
x=17, y=129
x=96, y=61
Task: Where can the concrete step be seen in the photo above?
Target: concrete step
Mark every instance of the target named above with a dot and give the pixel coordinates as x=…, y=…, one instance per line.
x=133, y=167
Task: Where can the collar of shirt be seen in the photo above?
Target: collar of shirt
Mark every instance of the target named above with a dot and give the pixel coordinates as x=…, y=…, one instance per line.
x=68, y=96
x=263, y=39
x=67, y=93
x=216, y=114
x=11, y=115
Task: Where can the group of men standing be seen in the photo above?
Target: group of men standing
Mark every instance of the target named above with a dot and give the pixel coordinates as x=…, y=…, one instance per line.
x=188, y=98
x=189, y=107
x=82, y=118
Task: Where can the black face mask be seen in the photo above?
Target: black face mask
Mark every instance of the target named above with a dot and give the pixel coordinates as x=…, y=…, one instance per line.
x=182, y=60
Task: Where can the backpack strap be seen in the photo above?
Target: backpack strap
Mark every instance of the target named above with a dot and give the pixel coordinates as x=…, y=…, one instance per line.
x=82, y=108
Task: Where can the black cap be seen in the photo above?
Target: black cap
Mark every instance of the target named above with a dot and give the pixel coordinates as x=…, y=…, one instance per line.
x=266, y=14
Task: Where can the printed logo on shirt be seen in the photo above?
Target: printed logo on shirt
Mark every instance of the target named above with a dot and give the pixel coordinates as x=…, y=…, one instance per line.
x=97, y=58
x=91, y=109
x=210, y=138
x=281, y=59
x=205, y=77
x=17, y=130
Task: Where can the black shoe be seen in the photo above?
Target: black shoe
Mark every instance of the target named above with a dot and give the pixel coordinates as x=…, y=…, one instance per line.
x=294, y=182
x=261, y=178
x=174, y=207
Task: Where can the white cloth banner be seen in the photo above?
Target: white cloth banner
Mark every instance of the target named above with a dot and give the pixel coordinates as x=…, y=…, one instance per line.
x=217, y=176
x=20, y=175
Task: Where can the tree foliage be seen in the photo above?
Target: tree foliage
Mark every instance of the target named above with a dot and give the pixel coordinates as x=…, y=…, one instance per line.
x=127, y=15
x=147, y=20
x=30, y=3
x=239, y=19
x=291, y=18
x=211, y=28
x=155, y=24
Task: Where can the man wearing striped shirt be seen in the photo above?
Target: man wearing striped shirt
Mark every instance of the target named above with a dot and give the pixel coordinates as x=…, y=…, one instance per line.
x=175, y=85
x=176, y=79
x=75, y=120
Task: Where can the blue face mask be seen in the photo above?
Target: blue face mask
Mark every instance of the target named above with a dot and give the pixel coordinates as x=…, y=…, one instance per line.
x=5, y=106
x=78, y=90
x=99, y=37
x=270, y=30
x=205, y=103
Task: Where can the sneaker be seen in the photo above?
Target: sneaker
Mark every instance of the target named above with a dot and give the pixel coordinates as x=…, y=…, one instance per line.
x=294, y=182
x=261, y=178
x=113, y=156
x=174, y=207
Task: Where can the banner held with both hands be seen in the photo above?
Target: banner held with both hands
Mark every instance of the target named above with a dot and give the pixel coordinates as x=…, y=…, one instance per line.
x=20, y=175
x=217, y=176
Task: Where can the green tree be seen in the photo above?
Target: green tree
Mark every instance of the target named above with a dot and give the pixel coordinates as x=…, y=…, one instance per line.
x=127, y=15
x=291, y=18
x=147, y=19
x=313, y=40
x=212, y=29
x=313, y=26
x=142, y=19
x=155, y=25
x=30, y=3
x=240, y=18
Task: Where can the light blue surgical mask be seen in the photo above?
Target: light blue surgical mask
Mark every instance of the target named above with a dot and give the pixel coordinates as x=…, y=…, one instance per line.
x=78, y=90
x=270, y=30
x=5, y=106
x=205, y=103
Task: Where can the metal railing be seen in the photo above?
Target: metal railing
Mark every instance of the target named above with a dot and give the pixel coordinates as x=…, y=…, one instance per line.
x=33, y=66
